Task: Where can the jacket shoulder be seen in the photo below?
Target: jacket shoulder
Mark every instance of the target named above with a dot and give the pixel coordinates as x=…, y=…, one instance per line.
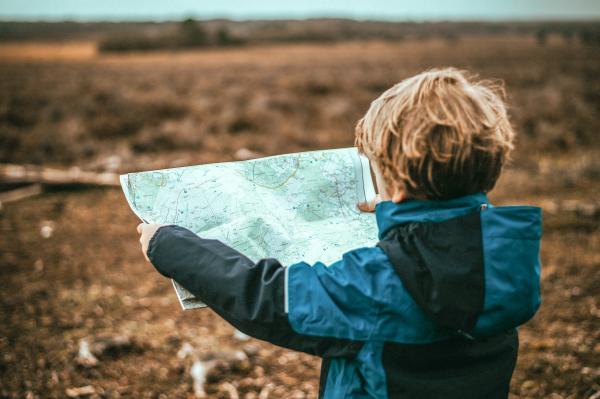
x=511, y=239
x=359, y=297
x=337, y=300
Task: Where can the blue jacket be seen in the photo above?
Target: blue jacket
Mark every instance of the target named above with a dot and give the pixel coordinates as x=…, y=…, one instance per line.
x=430, y=312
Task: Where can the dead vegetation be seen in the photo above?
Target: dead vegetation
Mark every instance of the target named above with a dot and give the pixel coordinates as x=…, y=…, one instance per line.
x=70, y=262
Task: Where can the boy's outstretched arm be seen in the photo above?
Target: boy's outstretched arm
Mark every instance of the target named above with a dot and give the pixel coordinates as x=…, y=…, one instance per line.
x=250, y=296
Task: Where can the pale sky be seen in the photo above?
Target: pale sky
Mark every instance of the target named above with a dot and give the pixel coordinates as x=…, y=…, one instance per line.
x=359, y=9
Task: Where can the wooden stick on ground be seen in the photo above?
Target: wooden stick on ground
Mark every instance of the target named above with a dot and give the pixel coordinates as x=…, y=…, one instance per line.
x=19, y=174
x=20, y=193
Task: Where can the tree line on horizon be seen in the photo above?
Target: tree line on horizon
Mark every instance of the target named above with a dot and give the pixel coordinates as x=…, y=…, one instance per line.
x=192, y=33
x=189, y=34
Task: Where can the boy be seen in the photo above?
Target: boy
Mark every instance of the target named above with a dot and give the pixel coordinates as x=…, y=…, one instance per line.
x=432, y=310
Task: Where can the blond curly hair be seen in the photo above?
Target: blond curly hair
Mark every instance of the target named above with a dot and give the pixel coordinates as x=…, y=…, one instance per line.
x=440, y=134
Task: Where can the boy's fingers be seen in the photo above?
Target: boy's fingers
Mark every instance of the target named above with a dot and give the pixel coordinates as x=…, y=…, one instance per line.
x=362, y=206
x=146, y=230
x=366, y=206
x=369, y=206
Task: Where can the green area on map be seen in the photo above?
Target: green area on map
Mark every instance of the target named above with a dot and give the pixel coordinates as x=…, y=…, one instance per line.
x=293, y=207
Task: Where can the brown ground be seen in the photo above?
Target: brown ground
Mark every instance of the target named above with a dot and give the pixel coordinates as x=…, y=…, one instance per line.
x=144, y=111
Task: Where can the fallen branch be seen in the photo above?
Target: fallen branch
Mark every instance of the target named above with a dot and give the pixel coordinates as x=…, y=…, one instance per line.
x=21, y=193
x=211, y=366
x=81, y=392
x=231, y=390
x=103, y=345
x=22, y=174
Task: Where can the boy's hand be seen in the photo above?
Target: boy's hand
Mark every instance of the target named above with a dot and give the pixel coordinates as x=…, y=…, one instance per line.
x=369, y=206
x=146, y=231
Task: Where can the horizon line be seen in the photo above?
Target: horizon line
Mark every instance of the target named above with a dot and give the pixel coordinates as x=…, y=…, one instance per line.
x=123, y=18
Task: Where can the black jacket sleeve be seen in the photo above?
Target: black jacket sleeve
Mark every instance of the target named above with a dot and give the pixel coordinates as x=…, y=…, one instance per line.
x=248, y=295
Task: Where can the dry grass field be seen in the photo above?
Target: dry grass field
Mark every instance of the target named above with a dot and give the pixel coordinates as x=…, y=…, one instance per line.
x=64, y=104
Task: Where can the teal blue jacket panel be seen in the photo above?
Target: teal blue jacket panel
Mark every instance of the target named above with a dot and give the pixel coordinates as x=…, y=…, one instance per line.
x=361, y=297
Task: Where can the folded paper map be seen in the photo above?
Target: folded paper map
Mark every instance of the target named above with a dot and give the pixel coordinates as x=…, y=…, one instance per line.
x=293, y=207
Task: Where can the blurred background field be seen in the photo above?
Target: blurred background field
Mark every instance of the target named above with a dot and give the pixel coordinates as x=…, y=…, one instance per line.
x=121, y=97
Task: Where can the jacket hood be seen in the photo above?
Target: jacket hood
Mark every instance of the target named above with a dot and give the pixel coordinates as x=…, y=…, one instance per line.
x=471, y=267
